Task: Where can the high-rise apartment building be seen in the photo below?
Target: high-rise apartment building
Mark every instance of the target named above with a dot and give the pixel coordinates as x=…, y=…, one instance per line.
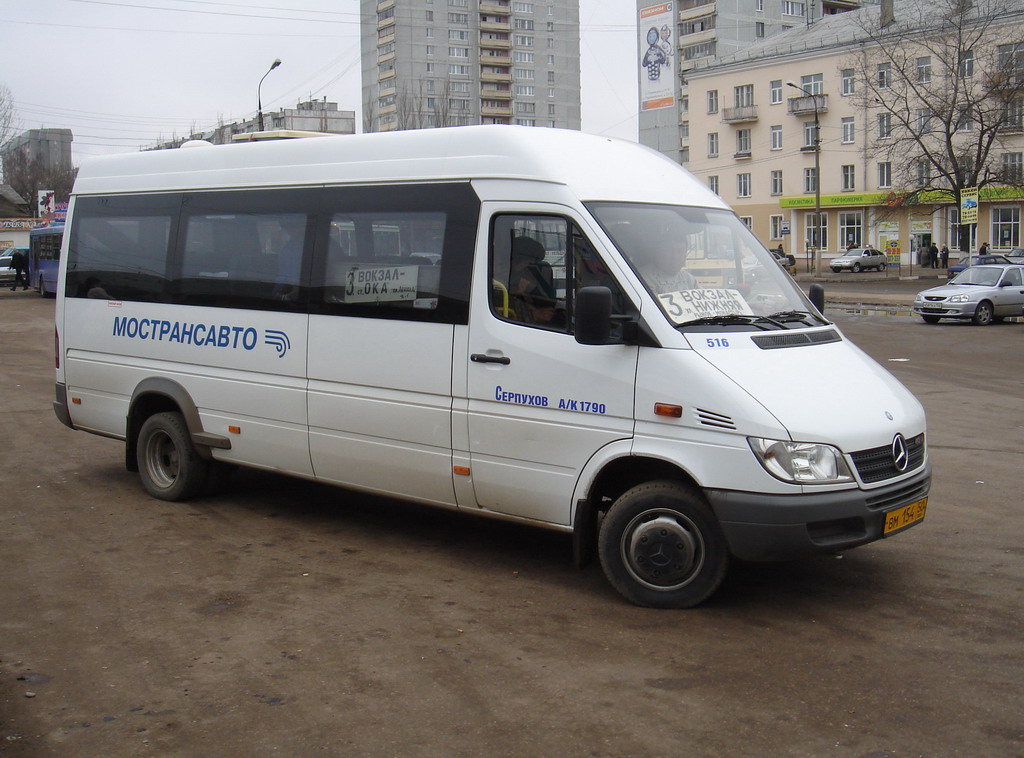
x=430, y=63
x=679, y=35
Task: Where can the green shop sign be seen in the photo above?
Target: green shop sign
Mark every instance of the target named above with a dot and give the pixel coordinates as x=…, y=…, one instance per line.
x=896, y=199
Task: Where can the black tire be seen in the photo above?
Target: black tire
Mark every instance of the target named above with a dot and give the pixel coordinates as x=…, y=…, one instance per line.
x=881, y=267
x=855, y=268
x=982, y=314
x=661, y=546
x=931, y=319
x=836, y=270
x=169, y=466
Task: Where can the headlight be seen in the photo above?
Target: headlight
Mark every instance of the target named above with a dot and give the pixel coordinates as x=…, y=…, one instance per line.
x=960, y=299
x=801, y=462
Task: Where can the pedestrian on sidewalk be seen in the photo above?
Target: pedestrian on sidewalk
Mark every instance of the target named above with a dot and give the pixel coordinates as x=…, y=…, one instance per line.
x=20, y=265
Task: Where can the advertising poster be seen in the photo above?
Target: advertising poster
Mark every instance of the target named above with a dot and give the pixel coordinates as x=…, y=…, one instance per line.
x=657, y=56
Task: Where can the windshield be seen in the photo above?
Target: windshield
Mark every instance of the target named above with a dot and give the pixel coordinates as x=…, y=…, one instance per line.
x=704, y=266
x=988, y=277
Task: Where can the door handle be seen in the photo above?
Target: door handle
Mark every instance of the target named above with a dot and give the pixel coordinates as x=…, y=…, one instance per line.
x=481, y=358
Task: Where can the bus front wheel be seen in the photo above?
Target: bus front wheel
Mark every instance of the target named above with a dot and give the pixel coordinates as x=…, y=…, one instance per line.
x=169, y=465
x=661, y=546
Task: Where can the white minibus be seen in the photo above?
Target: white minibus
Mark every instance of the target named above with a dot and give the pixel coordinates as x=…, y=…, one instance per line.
x=499, y=320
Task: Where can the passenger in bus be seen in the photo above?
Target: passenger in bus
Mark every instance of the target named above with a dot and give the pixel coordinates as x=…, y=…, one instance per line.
x=531, y=282
x=660, y=255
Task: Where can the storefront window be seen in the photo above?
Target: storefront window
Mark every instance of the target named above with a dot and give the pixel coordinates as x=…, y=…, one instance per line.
x=1006, y=225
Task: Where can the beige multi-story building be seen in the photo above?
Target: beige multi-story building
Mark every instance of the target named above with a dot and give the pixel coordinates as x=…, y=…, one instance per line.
x=750, y=134
x=429, y=63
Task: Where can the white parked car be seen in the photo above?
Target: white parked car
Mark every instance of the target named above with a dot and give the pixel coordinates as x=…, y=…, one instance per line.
x=857, y=259
x=982, y=294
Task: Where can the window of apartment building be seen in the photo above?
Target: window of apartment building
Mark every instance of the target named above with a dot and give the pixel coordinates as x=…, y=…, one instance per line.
x=458, y=35
x=458, y=3
x=742, y=185
x=964, y=119
x=810, y=180
x=747, y=221
x=526, y=122
x=759, y=6
x=790, y=8
x=884, y=125
x=385, y=49
x=385, y=15
x=712, y=144
x=430, y=16
x=523, y=40
x=458, y=18
x=459, y=87
x=712, y=101
x=849, y=130
x=684, y=104
x=775, y=133
x=713, y=184
x=458, y=69
x=810, y=134
x=430, y=51
x=777, y=182
x=526, y=107
x=386, y=69
x=684, y=129
x=522, y=56
x=458, y=104
x=1006, y=225
x=848, y=177
x=813, y=84
x=458, y=52
x=924, y=69
x=702, y=50
x=743, y=142
x=523, y=24
x=924, y=120
x=551, y=26
x=1013, y=168
x=775, y=224
x=1013, y=115
x=701, y=24
x=551, y=109
x=430, y=68
x=524, y=90
x=923, y=169
x=551, y=43
x=775, y=91
x=884, y=175
x=522, y=7
x=523, y=74
x=743, y=95
x=551, y=60
x=551, y=77
x=884, y=75
x=551, y=91
x=967, y=64
x=759, y=29
x=1010, y=60
x=851, y=228
x=849, y=81
x=816, y=236
x=684, y=154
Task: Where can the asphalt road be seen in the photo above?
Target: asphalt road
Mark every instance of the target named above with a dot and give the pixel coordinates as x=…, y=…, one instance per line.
x=285, y=618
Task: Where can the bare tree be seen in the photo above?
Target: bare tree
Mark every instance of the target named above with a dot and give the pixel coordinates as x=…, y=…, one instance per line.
x=944, y=80
x=27, y=176
x=8, y=117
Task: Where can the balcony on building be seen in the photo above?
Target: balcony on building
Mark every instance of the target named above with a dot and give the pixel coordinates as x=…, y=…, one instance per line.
x=493, y=109
x=743, y=156
x=688, y=9
x=496, y=7
x=383, y=5
x=805, y=106
x=492, y=25
x=495, y=76
x=495, y=43
x=496, y=93
x=741, y=114
x=488, y=58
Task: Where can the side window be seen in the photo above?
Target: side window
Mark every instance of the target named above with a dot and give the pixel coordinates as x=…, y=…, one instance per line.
x=538, y=263
x=396, y=252
x=1014, y=277
x=244, y=249
x=119, y=247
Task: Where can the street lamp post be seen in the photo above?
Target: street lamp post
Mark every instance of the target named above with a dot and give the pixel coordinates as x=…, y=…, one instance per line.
x=259, y=97
x=816, y=239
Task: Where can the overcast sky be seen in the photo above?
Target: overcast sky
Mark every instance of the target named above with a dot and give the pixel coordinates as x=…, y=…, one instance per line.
x=127, y=73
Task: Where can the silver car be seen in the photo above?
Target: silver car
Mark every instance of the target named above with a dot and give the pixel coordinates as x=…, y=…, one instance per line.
x=858, y=259
x=982, y=294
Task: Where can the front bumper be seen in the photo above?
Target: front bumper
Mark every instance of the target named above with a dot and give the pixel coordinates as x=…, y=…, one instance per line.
x=761, y=527
x=945, y=310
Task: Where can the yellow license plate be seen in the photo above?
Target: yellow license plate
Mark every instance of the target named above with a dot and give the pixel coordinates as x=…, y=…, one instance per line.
x=905, y=516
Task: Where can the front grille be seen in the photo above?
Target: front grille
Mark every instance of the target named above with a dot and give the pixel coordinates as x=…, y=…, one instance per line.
x=877, y=464
x=798, y=339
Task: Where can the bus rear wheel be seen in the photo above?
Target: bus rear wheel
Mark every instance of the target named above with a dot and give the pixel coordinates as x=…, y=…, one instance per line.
x=661, y=546
x=169, y=466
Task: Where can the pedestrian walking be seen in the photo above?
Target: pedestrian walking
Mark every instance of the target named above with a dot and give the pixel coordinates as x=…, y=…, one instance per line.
x=20, y=265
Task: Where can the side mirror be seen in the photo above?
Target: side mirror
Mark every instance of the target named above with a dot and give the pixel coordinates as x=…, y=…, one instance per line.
x=593, y=315
x=817, y=297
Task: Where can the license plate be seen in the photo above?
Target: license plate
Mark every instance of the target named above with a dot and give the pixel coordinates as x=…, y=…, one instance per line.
x=905, y=516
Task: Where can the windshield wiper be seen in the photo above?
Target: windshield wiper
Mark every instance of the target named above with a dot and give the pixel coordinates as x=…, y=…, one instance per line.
x=736, y=319
x=788, y=317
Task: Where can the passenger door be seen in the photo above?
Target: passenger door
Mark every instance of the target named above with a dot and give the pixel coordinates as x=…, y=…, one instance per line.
x=1010, y=297
x=539, y=404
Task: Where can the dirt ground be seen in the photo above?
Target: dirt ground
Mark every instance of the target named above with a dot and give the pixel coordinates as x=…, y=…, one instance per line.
x=286, y=618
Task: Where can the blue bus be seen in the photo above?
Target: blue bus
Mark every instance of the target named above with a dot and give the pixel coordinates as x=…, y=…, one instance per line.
x=44, y=258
